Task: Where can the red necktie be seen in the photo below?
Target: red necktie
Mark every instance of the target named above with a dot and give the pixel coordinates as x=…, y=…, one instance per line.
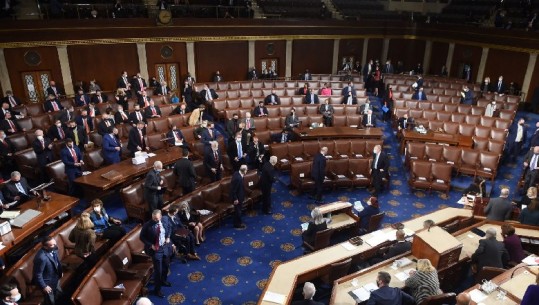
x=12, y=125
x=153, y=111
x=61, y=132
x=139, y=117
x=86, y=125
x=100, y=99
x=248, y=125
x=92, y=113
x=12, y=101
x=74, y=155
x=141, y=137
x=42, y=144
x=54, y=106
x=216, y=157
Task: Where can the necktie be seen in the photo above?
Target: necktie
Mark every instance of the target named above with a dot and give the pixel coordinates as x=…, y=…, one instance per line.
x=208, y=95
x=12, y=101
x=326, y=107
x=12, y=125
x=158, y=236
x=215, y=157
x=312, y=99
x=533, y=163
x=164, y=90
x=74, y=155
x=68, y=116
x=107, y=123
x=261, y=111
x=153, y=111
x=240, y=153
x=20, y=188
x=92, y=113
x=125, y=81
x=124, y=117
x=141, y=137
x=376, y=161
x=100, y=99
x=369, y=120
x=76, y=135
x=210, y=132
x=42, y=144
x=139, y=116
x=146, y=103
x=283, y=138
x=140, y=84
x=54, y=106
x=404, y=123
x=86, y=125
x=61, y=133
x=499, y=86
x=248, y=124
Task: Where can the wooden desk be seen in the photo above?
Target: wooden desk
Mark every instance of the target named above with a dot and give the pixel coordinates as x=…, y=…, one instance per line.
x=340, y=132
x=57, y=205
x=284, y=277
x=94, y=183
x=435, y=137
x=342, y=215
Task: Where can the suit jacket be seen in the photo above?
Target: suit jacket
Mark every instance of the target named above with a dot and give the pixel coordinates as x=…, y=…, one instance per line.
x=499, y=89
x=55, y=134
x=389, y=296
x=132, y=118
x=44, y=155
x=11, y=191
x=148, y=111
x=383, y=162
x=82, y=100
x=10, y=110
x=237, y=190
x=415, y=96
x=251, y=123
x=159, y=90
x=255, y=150
x=277, y=100
x=318, y=170
x=206, y=138
x=513, y=134
x=136, y=84
x=148, y=234
x=268, y=176
x=69, y=161
x=50, y=108
x=143, y=101
x=306, y=302
x=102, y=127
x=329, y=112
x=118, y=119
x=365, y=120
x=59, y=91
x=81, y=134
x=47, y=269
x=232, y=127
x=80, y=121
x=134, y=140
x=398, y=249
x=95, y=99
x=185, y=171
x=346, y=92
x=232, y=150
x=5, y=99
x=212, y=94
x=363, y=108
x=110, y=154
x=178, y=110
x=312, y=99
x=258, y=110
x=64, y=115
x=6, y=147
x=5, y=126
x=210, y=162
x=408, y=122
x=122, y=82
x=491, y=253
x=291, y=121
x=498, y=209
x=486, y=87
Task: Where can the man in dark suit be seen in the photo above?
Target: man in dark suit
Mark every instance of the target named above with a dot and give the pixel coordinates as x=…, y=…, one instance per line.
x=267, y=177
x=379, y=170
x=307, y=75
x=311, y=98
x=318, y=173
x=9, y=293
x=153, y=187
x=368, y=120
x=252, y=74
x=500, y=86
x=77, y=134
x=490, y=252
x=111, y=147
x=185, y=172
x=237, y=195
x=139, y=84
x=272, y=99
x=54, y=90
x=349, y=95
x=43, y=148
x=531, y=167
x=187, y=94
x=81, y=99
x=291, y=120
x=52, y=104
x=152, y=111
x=12, y=100
x=137, y=116
x=237, y=152
x=85, y=121
x=57, y=132
x=419, y=95
x=121, y=116
x=47, y=271
x=162, y=89
x=386, y=295
x=213, y=162
x=7, y=108
x=516, y=139
x=137, y=139
x=189, y=79
x=65, y=115
x=175, y=137
x=397, y=248
x=155, y=235
x=208, y=95
x=143, y=99
x=309, y=291
x=499, y=209
x=17, y=189
x=327, y=112
x=99, y=97
x=232, y=126
x=256, y=153
x=72, y=159
x=180, y=109
x=124, y=84
x=104, y=124
x=405, y=122
x=260, y=110
x=217, y=77
x=208, y=134
x=92, y=110
x=10, y=126
x=7, y=162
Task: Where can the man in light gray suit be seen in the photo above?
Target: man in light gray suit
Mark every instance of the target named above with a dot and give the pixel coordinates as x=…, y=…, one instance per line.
x=499, y=209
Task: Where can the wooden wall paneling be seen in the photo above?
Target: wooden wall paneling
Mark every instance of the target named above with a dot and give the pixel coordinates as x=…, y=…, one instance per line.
x=512, y=65
x=16, y=65
x=465, y=54
x=409, y=51
x=374, y=50
x=271, y=49
x=315, y=55
x=157, y=53
x=350, y=47
x=438, y=57
x=534, y=84
x=231, y=58
x=105, y=63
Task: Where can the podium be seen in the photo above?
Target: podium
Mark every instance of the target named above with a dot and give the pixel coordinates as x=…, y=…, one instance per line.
x=435, y=244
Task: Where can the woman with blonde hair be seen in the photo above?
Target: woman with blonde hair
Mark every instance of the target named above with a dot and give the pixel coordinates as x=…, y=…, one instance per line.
x=424, y=282
x=121, y=98
x=191, y=219
x=83, y=236
x=318, y=223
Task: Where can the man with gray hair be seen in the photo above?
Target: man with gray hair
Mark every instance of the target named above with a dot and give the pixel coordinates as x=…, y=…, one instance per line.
x=318, y=173
x=237, y=195
x=463, y=299
x=267, y=177
x=499, y=209
x=490, y=252
x=308, y=293
x=143, y=301
x=153, y=186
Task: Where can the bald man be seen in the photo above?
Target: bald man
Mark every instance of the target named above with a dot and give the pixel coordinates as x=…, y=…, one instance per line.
x=463, y=299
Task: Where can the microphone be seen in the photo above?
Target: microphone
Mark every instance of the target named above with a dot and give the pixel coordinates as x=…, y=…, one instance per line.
x=513, y=273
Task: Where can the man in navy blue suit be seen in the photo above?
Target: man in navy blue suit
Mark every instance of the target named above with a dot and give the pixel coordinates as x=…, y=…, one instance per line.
x=349, y=95
x=237, y=195
x=386, y=295
x=72, y=159
x=379, y=169
x=48, y=271
x=111, y=146
x=318, y=172
x=419, y=95
x=155, y=234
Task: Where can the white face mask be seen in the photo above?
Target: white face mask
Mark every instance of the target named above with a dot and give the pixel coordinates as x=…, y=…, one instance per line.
x=40, y=138
x=58, y=125
x=15, y=299
x=97, y=209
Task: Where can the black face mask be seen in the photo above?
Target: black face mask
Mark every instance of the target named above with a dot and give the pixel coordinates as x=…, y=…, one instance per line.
x=55, y=248
x=73, y=128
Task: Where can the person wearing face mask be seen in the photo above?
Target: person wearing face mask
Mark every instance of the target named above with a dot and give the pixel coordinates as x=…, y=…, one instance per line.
x=9, y=125
x=153, y=187
x=379, y=170
x=73, y=163
x=111, y=147
x=43, y=148
x=121, y=116
x=175, y=137
x=57, y=132
x=237, y=152
x=137, y=139
x=490, y=109
x=466, y=96
x=291, y=120
x=83, y=236
x=105, y=226
x=137, y=116
x=77, y=134
x=66, y=115
x=386, y=295
x=10, y=294
x=516, y=139
x=7, y=162
x=47, y=271
x=85, y=121
x=17, y=189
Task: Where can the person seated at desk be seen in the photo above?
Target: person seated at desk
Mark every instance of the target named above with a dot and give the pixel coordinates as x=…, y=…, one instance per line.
x=398, y=248
x=308, y=293
x=490, y=252
x=386, y=295
x=83, y=235
x=368, y=119
x=499, y=209
x=424, y=282
x=17, y=189
x=531, y=296
x=284, y=136
x=512, y=244
x=104, y=225
x=317, y=224
x=476, y=188
x=371, y=208
x=175, y=137
x=292, y=119
x=530, y=215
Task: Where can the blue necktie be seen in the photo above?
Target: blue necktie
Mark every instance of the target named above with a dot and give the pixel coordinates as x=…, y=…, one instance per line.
x=240, y=153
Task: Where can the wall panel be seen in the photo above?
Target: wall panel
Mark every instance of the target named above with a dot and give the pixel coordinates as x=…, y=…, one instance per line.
x=271, y=49
x=438, y=57
x=230, y=58
x=374, y=50
x=178, y=56
x=105, y=63
x=409, y=51
x=16, y=64
x=465, y=54
x=350, y=47
x=315, y=55
x=512, y=65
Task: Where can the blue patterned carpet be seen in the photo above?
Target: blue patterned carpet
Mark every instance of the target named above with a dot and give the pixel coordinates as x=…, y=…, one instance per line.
x=236, y=263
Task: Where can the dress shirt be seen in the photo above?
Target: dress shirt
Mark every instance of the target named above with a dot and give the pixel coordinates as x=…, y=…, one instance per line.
x=518, y=137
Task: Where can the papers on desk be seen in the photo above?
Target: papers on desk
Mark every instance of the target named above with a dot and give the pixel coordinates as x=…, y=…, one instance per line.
x=204, y=212
x=360, y=176
x=304, y=226
x=274, y=297
x=402, y=276
x=377, y=237
x=298, y=159
x=344, y=156
x=341, y=176
x=466, y=200
x=85, y=173
x=9, y=214
x=284, y=161
x=348, y=246
x=360, y=295
x=359, y=156
x=150, y=155
x=477, y=296
x=329, y=157
x=531, y=260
